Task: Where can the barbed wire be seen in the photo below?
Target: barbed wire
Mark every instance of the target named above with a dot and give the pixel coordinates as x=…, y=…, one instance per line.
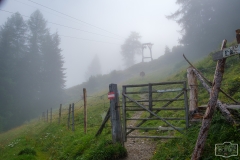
x=99, y=100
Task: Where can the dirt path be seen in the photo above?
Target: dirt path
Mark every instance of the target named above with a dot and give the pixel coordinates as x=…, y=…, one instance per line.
x=138, y=148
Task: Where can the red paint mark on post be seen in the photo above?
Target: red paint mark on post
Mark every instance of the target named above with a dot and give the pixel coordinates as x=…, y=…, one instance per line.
x=111, y=95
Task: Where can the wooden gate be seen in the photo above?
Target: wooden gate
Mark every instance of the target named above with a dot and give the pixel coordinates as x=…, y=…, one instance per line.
x=154, y=100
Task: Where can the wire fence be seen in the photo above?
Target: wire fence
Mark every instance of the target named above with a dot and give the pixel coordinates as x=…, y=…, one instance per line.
x=76, y=114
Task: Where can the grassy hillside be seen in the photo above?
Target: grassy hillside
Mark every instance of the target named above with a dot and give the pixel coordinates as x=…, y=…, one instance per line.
x=220, y=131
x=38, y=140
x=155, y=71
x=41, y=140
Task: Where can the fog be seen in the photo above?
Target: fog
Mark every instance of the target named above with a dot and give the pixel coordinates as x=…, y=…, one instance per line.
x=89, y=28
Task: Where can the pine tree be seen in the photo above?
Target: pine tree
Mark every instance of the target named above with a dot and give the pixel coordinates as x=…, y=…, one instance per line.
x=53, y=71
x=31, y=70
x=130, y=48
x=34, y=59
x=12, y=51
x=206, y=23
x=167, y=50
x=94, y=68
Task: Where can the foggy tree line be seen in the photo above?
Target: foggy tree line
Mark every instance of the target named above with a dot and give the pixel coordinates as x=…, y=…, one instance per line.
x=31, y=69
x=204, y=24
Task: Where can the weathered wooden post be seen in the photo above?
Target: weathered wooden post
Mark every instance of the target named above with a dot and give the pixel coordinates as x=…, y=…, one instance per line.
x=211, y=107
x=115, y=114
x=60, y=114
x=47, y=115
x=238, y=36
x=73, y=117
x=221, y=106
x=186, y=104
x=124, y=90
x=43, y=116
x=69, y=111
x=150, y=96
x=51, y=115
x=193, y=93
x=85, y=109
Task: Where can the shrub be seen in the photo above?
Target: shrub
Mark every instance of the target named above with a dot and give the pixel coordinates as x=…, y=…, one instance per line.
x=28, y=151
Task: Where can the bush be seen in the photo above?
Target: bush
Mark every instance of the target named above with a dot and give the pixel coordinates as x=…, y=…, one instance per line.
x=27, y=151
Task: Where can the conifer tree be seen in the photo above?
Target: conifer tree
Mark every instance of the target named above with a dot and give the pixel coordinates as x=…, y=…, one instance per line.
x=53, y=71
x=12, y=51
x=94, y=68
x=38, y=31
x=31, y=70
x=206, y=23
x=130, y=48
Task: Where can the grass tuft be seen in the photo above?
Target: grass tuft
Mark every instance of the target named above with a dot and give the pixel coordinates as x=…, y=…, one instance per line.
x=28, y=151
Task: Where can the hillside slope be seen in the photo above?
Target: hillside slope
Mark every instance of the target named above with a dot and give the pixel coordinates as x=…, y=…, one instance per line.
x=155, y=71
x=220, y=131
x=40, y=140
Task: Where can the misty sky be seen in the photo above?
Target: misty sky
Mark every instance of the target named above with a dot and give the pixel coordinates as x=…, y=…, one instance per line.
x=111, y=21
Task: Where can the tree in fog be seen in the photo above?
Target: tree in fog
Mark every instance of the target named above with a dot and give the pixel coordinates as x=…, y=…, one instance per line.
x=46, y=77
x=167, y=50
x=130, y=48
x=206, y=23
x=52, y=71
x=12, y=51
x=31, y=70
x=38, y=31
x=94, y=68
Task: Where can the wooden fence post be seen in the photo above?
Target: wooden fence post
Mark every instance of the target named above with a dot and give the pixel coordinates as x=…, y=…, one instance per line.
x=69, y=111
x=43, y=116
x=73, y=117
x=210, y=109
x=150, y=96
x=193, y=93
x=85, y=109
x=47, y=115
x=222, y=107
x=51, y=115
x=124, y=90
x=60, y=114
x=115, y=115
x=186, y=104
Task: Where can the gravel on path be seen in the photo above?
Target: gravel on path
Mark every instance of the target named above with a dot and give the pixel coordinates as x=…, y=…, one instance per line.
x=138, y=148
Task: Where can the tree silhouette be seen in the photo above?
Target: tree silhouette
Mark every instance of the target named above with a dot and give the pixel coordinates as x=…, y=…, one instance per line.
x=31, y=69
x=206, y=23
x=94, y=68
x=130, y=48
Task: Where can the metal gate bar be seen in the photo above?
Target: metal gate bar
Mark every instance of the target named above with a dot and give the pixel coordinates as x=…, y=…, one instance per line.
x=124, y=111
x=154, y=109
x=166, y=118
x=153, y=115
